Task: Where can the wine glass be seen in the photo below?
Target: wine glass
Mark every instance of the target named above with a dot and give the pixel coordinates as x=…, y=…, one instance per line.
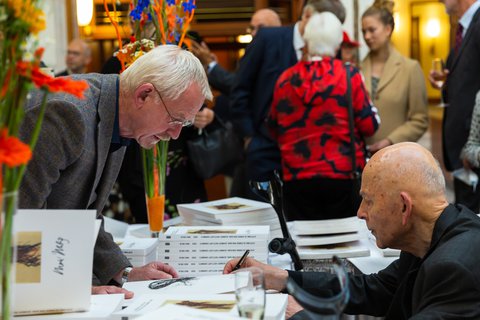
x=250, y=293
x=439, y=75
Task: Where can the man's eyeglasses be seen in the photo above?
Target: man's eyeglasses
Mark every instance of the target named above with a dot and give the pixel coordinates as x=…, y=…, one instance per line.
x=174, y=121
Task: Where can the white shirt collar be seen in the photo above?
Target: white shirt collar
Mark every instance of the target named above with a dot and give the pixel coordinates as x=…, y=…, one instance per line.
x=467, y=17
x=298, y=42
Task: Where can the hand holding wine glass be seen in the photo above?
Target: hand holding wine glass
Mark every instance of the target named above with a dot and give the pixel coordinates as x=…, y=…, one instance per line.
x=438, y=76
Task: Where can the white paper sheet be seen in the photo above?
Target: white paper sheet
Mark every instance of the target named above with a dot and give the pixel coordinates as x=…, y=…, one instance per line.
x=189, y=285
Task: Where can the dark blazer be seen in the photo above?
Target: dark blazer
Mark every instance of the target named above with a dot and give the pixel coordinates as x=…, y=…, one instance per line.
x=445, y=284
x=221, y=79
x=463, y=83
x=270, y=53
x=72, y=167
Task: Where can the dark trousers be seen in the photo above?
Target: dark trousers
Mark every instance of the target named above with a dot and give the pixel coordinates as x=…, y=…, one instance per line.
x=465, y=195
x=321, y=198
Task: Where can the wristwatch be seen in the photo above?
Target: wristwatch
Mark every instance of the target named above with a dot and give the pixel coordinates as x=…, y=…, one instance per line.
x=125, y=274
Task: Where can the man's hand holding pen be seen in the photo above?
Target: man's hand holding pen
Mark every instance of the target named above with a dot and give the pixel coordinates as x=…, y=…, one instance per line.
x=275, y=278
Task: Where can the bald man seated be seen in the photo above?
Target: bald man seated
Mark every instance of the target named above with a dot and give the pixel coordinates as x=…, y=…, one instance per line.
x=404, y=205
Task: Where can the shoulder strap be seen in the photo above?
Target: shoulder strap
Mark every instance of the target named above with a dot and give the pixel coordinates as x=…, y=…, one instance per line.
x=351, y=123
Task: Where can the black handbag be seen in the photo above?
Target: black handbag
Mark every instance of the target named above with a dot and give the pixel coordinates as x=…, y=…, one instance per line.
x=212, y=151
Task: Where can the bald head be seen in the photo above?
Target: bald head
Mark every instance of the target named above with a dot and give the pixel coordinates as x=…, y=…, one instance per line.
x=407, y=166
x=264, y=18
x=78, y=56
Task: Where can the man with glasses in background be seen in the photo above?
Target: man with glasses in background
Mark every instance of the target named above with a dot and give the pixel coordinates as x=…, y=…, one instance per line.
x=79, y=56
x=82, y=143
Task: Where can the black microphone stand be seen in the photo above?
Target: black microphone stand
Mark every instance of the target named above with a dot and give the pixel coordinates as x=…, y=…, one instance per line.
x=272, y=192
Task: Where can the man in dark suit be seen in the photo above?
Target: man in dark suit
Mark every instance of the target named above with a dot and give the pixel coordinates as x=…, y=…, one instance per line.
x=271, y=52
x=82, y=143
x=405, y=207
x=461, y=86
x=218, y=77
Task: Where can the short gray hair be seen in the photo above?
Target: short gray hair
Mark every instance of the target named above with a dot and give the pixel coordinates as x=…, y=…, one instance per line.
x=323, y=34
x=170, y=69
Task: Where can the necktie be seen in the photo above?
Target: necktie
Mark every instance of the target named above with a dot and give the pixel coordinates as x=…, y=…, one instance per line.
x=458, y=38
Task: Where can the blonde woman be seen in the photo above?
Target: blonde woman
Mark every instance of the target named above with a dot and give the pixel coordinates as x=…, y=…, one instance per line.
x=395, y=83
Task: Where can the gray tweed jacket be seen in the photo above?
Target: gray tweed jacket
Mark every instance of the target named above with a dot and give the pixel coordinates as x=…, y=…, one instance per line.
x=72, y=167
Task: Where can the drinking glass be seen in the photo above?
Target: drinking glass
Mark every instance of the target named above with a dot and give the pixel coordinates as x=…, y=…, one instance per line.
x=250, y=293
x=440, y=76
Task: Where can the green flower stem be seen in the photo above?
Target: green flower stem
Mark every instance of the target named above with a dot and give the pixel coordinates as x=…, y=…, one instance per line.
x=9, y=203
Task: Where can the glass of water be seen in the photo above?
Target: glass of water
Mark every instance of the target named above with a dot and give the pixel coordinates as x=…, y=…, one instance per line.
x=250, y=293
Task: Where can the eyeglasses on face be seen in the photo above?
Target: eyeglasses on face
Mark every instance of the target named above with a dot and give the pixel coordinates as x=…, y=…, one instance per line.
x=173, y=121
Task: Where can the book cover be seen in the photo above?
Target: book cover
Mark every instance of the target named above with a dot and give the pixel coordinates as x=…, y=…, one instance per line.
x=324, y=227
x=54, y=259
x=219, y=304
x=318, y=240
x=345, y=250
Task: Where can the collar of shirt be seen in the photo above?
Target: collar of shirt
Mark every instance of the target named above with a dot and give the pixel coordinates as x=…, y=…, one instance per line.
x=298, y=42
x=117, y=140
x=467, y=17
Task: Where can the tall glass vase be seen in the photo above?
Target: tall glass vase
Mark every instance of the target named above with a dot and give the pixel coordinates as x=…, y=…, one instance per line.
x=154, y=175
x=8, y=207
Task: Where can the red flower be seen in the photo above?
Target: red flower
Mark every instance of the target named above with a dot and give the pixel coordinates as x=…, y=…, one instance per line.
x=68, y=85
x=13, y=152
x=31, y=71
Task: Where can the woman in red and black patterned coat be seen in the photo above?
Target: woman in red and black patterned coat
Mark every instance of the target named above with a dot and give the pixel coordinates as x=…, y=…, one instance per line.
x=309, y=120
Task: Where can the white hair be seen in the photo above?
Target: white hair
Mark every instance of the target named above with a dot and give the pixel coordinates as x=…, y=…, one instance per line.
x=323, y=34
x=170, y=69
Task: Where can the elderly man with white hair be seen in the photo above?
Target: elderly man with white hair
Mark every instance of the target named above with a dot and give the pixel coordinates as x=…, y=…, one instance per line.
x=309, y=120
x=82, y=144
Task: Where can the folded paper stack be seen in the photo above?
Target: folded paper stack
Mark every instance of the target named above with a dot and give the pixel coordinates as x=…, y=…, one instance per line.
x=232, y=212
x=322, y=239
x=204, y=250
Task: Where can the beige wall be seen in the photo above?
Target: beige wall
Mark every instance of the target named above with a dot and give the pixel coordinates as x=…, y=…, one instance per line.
x=429, y=48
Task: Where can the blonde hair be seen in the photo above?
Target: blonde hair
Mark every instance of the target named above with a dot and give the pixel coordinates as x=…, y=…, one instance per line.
x=384, y=10
x=323, y=34
x=170, y=69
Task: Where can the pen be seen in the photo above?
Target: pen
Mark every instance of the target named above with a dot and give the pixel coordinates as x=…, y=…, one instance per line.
x=241, y=261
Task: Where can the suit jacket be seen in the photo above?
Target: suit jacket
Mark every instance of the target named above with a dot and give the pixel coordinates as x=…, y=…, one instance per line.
x=72, y=167
x=221, y=79
x=401, y=98
x=270, y=53
x=444, y=284
x=463, y=83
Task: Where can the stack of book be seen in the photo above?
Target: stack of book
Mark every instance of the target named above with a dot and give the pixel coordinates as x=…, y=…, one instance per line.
x=322, y=239
x=139, y=251
x=232, y=212
x=195, y=251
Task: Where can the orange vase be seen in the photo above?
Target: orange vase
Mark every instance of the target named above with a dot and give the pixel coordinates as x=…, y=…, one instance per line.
x=156, y=209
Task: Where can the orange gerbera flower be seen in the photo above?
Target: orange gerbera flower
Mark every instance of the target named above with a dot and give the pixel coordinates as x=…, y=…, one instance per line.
x=13, y=152
x=31, y=71
x=67, y=85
